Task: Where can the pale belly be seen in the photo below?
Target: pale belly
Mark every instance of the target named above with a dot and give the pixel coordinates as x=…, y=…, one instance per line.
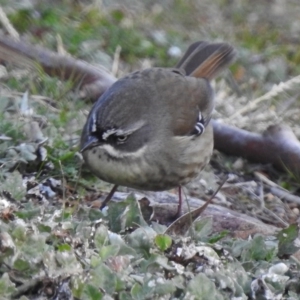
x=162, y=170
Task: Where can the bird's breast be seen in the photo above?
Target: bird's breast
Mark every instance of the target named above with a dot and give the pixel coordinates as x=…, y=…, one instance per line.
x=173, y=162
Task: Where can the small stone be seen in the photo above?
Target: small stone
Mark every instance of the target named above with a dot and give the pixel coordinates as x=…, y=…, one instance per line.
x=175, y=51
x=278, y=269
x=238, y=164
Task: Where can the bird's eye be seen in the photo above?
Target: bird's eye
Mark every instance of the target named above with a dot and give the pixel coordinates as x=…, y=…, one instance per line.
x=122, y=138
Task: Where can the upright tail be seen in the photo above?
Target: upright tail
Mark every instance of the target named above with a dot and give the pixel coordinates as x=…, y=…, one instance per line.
x=206, y=60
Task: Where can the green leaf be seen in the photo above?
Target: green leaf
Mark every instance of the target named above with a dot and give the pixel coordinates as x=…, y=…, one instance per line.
x=163, y=242
x=12, y=182
x=28, y=214
x=78, y=285
x=64, y=247
x=124, y=248
x=104, y=278
x=6, y=287
x=153, y=286
x=101, y=236
x=287, y=237
x=122, y=215
x=44, y=228
x=64, y=216
x=156, y=261
x=257, y=249
x=124, y=296
x=117, y=14
x=201, y=287
x=95, y=214
x=21, y=265
x=92, y=292
x=141, y=240
x=218, y=236
x=201, y=228
x=19, y=234
x=108, y=251
x=159, y=228
x=135, y=291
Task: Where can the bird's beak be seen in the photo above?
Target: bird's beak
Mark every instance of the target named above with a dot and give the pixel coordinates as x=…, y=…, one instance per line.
x=88, y=143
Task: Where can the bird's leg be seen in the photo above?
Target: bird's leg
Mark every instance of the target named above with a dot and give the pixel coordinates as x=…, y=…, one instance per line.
x=178, y=214
x=109, y=196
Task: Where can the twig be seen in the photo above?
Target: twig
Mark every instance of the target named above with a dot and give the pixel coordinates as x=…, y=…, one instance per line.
x=115, y=65
x=8, y=26
x=275, y=91
x=285, y=195
x=264, y=179
x=46, y=101
x=277, y=190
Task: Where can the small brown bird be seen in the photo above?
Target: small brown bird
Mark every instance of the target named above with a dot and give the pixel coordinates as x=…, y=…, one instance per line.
x=150, y=130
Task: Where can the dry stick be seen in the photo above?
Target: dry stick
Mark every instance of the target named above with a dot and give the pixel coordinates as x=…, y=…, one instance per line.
x=116, y=61
x=277, y=190
x=7, y=25
x=42, y=100
x=285, y=195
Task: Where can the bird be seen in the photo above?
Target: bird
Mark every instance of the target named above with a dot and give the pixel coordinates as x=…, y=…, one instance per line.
x=151, y=129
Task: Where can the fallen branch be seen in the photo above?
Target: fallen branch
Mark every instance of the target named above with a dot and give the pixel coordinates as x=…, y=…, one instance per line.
x=277, y=145
x=93, y=81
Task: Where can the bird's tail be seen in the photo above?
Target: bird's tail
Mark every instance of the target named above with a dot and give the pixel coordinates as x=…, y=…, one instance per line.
x=206, y=60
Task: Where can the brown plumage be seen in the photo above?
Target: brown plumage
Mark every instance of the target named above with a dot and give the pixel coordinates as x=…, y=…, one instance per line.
x=150, y=130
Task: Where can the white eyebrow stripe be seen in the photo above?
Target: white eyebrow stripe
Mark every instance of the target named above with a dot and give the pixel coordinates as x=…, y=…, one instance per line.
x=125, y=131
x=108, y=133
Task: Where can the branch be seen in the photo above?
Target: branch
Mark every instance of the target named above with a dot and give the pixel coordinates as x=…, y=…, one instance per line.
x=277, y=145
x=93, y=81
